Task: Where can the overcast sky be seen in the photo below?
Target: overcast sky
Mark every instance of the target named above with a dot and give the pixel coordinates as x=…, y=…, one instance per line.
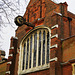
x=71, y=5
x=11, y=32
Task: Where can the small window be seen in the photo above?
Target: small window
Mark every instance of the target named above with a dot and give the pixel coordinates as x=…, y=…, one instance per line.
x=3, y=53
x=34, y=54
x=73, y=69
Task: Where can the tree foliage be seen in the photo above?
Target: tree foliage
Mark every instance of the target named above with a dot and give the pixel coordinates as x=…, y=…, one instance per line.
x=9, y=9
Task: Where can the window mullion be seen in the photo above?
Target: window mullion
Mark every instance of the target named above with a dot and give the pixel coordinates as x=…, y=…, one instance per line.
x=19, y=59
x=45, y=46
x=22, y=55
x=32, y=50
x=25, y=55
x=29, y=53
x=37, y=48
x=20, y=62
x=73, y=69
x=41, y=45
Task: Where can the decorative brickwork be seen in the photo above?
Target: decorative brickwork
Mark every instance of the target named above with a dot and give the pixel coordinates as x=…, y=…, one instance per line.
x=12, y=57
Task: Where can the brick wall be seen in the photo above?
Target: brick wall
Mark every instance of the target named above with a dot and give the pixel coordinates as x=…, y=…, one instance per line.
x=68, y=55
x=67, y=70
x=3, y=68
x=44, y=72
x=68, y=47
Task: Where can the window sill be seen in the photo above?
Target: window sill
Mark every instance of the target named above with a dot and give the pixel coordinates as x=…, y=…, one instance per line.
x=39, y=68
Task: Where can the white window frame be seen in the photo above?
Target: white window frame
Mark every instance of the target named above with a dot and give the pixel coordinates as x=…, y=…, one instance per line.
x=37, y=68
x=73, y=69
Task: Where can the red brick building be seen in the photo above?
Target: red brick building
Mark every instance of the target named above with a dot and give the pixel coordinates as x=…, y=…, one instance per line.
x=49, y=47
x=2, y=56
x=3, y=66
x=3, y=62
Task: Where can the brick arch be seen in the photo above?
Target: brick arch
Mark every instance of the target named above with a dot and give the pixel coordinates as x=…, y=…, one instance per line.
x=36, y=28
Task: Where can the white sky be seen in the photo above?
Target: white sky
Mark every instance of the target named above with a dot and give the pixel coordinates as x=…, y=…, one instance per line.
x=9, y=31
x=71, y=5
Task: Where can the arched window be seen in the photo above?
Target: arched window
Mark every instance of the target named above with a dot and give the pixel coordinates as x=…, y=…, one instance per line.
x=34, y=53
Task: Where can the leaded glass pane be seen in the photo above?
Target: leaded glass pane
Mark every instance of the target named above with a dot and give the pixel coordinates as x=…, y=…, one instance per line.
x=24, y=57
x=43, y=58
x=35, y=49
x=48, y=47
x=30, y=51
x=27, y=53
x=39, y=55
x=74, y=69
